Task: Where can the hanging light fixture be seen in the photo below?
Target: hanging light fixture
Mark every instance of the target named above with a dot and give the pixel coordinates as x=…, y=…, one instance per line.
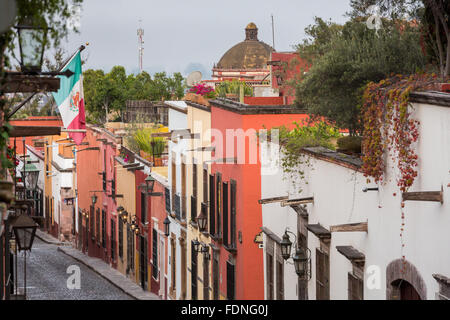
x=150, y=183
x=196, y=244
x=31, y=176
x=94, y=199
x=202, y=218
x=32, y=42
x=166, y=226
x=24, y=228
x=286, y=246
x=301, y=259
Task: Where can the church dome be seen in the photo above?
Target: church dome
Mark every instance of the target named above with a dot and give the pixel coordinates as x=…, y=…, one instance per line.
x=248, y=54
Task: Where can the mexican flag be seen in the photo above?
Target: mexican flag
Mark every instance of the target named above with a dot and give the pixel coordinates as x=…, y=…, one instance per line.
x=70, y=99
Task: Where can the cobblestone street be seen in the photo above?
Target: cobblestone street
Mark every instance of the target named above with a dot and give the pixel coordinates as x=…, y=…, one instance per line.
x=47, y=277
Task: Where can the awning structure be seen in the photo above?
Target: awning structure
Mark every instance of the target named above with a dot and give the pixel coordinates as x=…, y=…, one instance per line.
x=352, y=254
x=22, y=83
x=319, y=231
x=30, y=131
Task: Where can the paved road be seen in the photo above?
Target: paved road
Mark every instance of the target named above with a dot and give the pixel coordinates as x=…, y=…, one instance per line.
x=47, y=277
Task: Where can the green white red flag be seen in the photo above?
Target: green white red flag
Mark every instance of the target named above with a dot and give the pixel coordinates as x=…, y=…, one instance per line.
x=70, y=99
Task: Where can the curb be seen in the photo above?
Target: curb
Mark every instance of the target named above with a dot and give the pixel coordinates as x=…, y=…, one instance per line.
x=55, y=242
x=100, y=274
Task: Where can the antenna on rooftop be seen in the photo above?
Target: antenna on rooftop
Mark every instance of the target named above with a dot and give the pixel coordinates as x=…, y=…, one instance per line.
x=273, y=34
x=140, y=33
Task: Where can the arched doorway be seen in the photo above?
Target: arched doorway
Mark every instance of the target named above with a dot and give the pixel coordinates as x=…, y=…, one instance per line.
x=405, y=290
x=404, y=282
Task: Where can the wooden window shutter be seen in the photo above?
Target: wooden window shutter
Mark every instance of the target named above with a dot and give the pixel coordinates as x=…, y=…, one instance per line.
x=212, y=211
x=355, y=287
x=322, y=276
x=225, y=213
x=233, y=213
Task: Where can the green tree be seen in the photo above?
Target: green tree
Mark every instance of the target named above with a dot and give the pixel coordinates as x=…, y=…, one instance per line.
x=349, y=59
x=433, y=16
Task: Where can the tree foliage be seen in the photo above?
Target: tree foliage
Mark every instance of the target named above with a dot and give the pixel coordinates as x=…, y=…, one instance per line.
x=432, y=16
x=346, y=59
x=106, y=93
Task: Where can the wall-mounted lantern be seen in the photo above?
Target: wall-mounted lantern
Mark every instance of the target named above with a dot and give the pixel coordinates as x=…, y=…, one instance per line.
x=166, y=226
x=94, y=199
x=301, y=259
x=32, y=41
x=202, y=218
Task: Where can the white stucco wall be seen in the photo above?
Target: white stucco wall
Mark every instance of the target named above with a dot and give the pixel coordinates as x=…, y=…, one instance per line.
x=338, y=199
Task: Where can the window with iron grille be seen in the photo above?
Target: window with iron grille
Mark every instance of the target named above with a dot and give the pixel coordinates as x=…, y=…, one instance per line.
x=233, y=213
x=225, y=213
x=97, y=220
x=167, y=198
x=113, y=188
x=230, y=281
x=113, y=240
x=177, y=206
x=120, y=238
x=194, y=178
x=143, y=207
x=212, y=211
x=193, y=208
x=193, y=271
x=219, y=204
x=103, y=228
x=155, y=254
x=205, y=185
x=104, y=180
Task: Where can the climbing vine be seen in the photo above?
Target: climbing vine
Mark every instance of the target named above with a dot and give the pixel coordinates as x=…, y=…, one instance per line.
x=301, y=136
x=388, y=126
x=390, y=130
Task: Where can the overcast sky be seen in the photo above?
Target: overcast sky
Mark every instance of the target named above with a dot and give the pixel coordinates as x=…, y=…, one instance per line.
x=179, y=33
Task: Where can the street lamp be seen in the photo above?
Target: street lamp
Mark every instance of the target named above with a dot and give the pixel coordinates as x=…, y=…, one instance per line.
x=301, y=258
x=32, y=41
x=94, y=199
x=202, y=218
x=150, y=182
x=286, y=246
x=24, y=230
x=166, y=226
x=302, y=262
x=31, y=176
x=196, y=244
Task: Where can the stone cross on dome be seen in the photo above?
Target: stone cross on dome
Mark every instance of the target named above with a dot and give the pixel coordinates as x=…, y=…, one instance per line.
x=251, y=32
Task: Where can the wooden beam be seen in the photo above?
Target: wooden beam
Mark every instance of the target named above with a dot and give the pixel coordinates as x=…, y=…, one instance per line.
x=272, y=200
x=130, y=165
x=88, y=149
x=434, y=196
x=136, y=168
x=27, y=131
x=350, y=227
x=352, y=254
x=291, y=202
x=203, y=149
x=319, y=231
x=21, y=83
